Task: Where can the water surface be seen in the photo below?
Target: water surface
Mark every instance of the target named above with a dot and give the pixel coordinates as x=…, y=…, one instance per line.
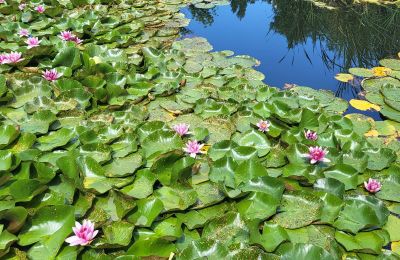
x=299, y=43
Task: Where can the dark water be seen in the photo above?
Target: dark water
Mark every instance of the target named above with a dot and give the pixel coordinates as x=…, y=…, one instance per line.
x=297, y=42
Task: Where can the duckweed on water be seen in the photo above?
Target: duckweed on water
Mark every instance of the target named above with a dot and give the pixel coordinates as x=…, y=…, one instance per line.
x=89, y=131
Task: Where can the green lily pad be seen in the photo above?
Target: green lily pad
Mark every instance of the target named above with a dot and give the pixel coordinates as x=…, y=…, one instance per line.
x=298, y=209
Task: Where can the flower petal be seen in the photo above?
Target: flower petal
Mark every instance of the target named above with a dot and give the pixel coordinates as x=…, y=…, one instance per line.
x=95, y=233
x=73, y=241
x=313, y=161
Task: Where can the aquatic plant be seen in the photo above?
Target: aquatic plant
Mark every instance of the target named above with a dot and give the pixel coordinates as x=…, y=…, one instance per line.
x=40, y=9
x=84, y=234
x=51, y=75
x=317, y=154
x=311, y=135
x=23, y=33
x=263, y=125
x=33, y=42
x=98, y=145
x=12, y=57
x=181, y=129
x=193, y=148
x=372, y=185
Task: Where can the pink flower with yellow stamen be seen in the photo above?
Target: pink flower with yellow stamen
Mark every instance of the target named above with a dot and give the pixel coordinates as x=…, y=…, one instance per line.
x=263, y=125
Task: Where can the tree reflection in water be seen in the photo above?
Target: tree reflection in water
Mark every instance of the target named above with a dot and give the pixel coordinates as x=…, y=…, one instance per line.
x=347, y=36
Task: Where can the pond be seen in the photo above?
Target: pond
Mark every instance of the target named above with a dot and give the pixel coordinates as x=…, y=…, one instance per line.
x=298, y=42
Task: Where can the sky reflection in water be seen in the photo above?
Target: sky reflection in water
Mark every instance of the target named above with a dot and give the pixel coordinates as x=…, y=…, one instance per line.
x=298, y=43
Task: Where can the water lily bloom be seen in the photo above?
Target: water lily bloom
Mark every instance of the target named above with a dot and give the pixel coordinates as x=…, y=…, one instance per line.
x=51, y=75
x=76, y=40
x=23, y=33
x=69, y=36
x=84, y=234
x=40, y=9
x=33, y=42
x=193, y=148
x=181, y=129
x=13, y=57
x=372, y=185
x=3, y=58
x=317, y=154
x=263, y=125
x=311, y=135
x=2, y=1
x=66, y=35
x=21, y=7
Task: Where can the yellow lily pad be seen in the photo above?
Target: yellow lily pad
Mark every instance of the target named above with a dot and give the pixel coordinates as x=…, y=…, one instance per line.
x=381, y=71
x=371, y=133
x=363, y=105
x=344, y=77
x=396, y=245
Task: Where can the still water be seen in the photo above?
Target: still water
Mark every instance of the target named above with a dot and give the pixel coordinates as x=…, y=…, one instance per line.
x=299, y=43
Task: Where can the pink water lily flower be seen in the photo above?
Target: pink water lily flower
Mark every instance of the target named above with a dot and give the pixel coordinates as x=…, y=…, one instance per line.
x=84, y=234
x=13, y=57
x=66, y=35
x=3, y=58
x=23, y=33
x=2, y=1
x=372, y=185
x=193, y=148
x=51, y=75
x=22, y=6
x=76, y=40
x=33, y=42
x=181, y=129
x=40, y=9
x=263, y=125
x=69, y=36
x=317, y=154
x=311, y=135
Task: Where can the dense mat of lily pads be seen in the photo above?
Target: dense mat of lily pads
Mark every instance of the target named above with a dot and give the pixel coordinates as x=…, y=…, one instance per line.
x=160, y=147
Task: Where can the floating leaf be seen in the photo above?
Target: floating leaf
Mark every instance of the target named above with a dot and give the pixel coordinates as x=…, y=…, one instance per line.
x=298, y=210
x=363, y=105
x=343, y=77
x=49, y=227
x=361, y=212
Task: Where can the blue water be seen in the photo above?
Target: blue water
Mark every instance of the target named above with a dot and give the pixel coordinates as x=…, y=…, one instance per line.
x=280, y=65
x=257, y=32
